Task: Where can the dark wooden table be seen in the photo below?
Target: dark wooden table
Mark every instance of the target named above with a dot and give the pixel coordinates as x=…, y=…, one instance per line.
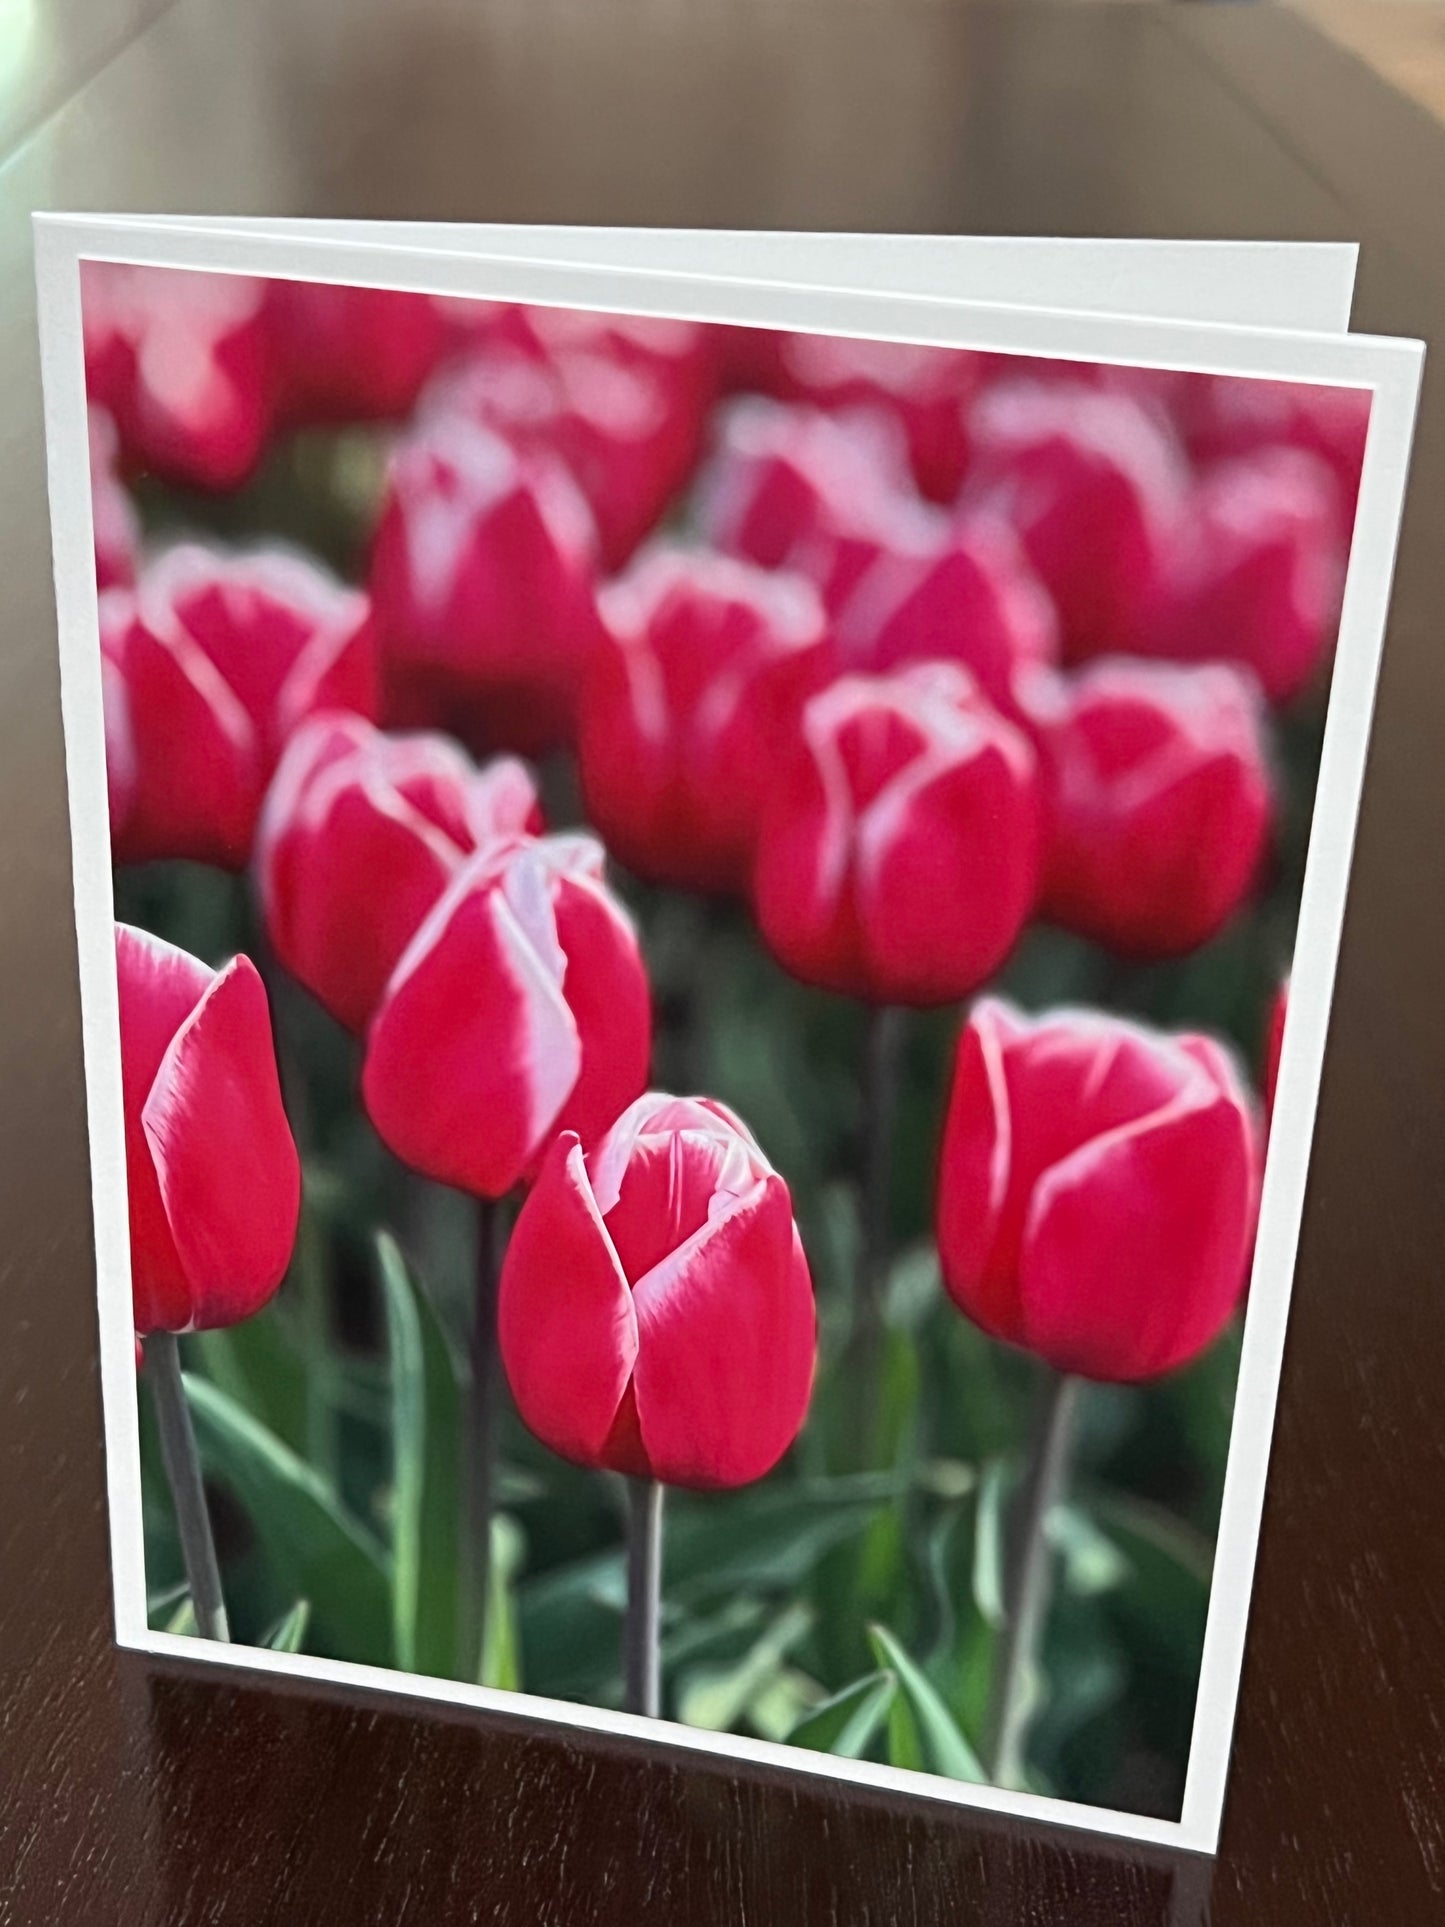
x=132, y=1792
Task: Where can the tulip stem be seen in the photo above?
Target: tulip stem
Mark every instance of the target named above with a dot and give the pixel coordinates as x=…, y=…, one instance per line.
x=1029, y=1577
x=183, y=1475
x=641, y=1650
x=882, y=1043
x=479, y=1444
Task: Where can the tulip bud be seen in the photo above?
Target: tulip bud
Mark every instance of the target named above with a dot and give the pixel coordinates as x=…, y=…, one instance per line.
x=183, y=361
x=704, y=665
x=656, y=1313
x=924, y=390
x=114, y=523
x=220, y=656
x=211, y=1168
x=519, y=1009
x=1093, y=483
x=899, y=851
x=1098, y=1189
x=1234, y=417
x=627, y=439
x=1160, y=805
x=352, y=354
x=482, y=579
x=960, y=593
x=360, y=834
x=797, y=488
x=1254, y=573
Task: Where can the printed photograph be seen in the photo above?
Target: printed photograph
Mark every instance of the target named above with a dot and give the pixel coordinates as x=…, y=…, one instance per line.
x=703, y=930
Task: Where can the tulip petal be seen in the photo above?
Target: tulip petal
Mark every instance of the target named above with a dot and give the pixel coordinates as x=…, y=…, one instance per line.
x=605, y=986
x=726, y=1342
x=473, y=1050
x=565, y=1318
x=198, y=773
x=948, y=870
x=159, y=987
x=978, y=1151
x=224, y=1156
x=1134, y=1251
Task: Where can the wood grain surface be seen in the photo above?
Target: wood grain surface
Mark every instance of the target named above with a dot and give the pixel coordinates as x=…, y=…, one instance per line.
x=141, y=1795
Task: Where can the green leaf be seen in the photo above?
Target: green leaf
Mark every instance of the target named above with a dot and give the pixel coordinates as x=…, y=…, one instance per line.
x=256, y=1364
x=289, y=1632
x=425, y=1431
x=315, y=1548
x=987, y=1573
x=716, y=1699
x=1091, y=1561
x=183, y=1620
x=846, y=1724
x=922, y=1733
x=501, y=1647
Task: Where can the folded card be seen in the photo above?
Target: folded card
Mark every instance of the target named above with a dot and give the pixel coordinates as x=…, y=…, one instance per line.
x=707, y=881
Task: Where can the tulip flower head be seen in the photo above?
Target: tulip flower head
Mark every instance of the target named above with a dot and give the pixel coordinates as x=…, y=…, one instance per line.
x=1235, y=417
x=791, y=487
x=656, y=1312
x=221, y=656
x=482, y=578
x=1254, y=572
x=706, y=662
x=360, y=834
x=900, y=848
x=941, y=590
x=1098, y=1189
x=627, y=437
x=925, y=390
x=1093, y=483
x=183, y=362
x=352, y=354
x=1274, y=1044
x=1160, y=802
x=211, y=1167
x=519, y=1009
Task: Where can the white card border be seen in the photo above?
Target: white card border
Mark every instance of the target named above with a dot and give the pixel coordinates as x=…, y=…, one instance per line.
x=1390, y=368
x=1261, y=284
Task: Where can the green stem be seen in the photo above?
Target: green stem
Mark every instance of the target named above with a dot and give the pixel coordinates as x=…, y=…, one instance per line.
x=1029, y=1583
x=882, y=1047
x=183, y=1475
x=479, y=1443
x=641, y=1650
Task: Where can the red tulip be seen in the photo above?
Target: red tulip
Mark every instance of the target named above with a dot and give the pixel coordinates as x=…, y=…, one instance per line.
x=925, y=390
x=1254, y=573
x=360, y=834
x=183, y=362
x=482, y=578
x=114, y=523
x=683, y=355
x=1093, y=483
x=798, y=488
x=656, y=1313
x=899, y=851
x=121, y=775
x=519, y=1009
x=628, y=440
x=352, y=354
x=220, y=656
x=1098, y=1189
x=1160, y=801
x=942, y=592
x=704, y=665
x=213, y=1175
x=1231, y=416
